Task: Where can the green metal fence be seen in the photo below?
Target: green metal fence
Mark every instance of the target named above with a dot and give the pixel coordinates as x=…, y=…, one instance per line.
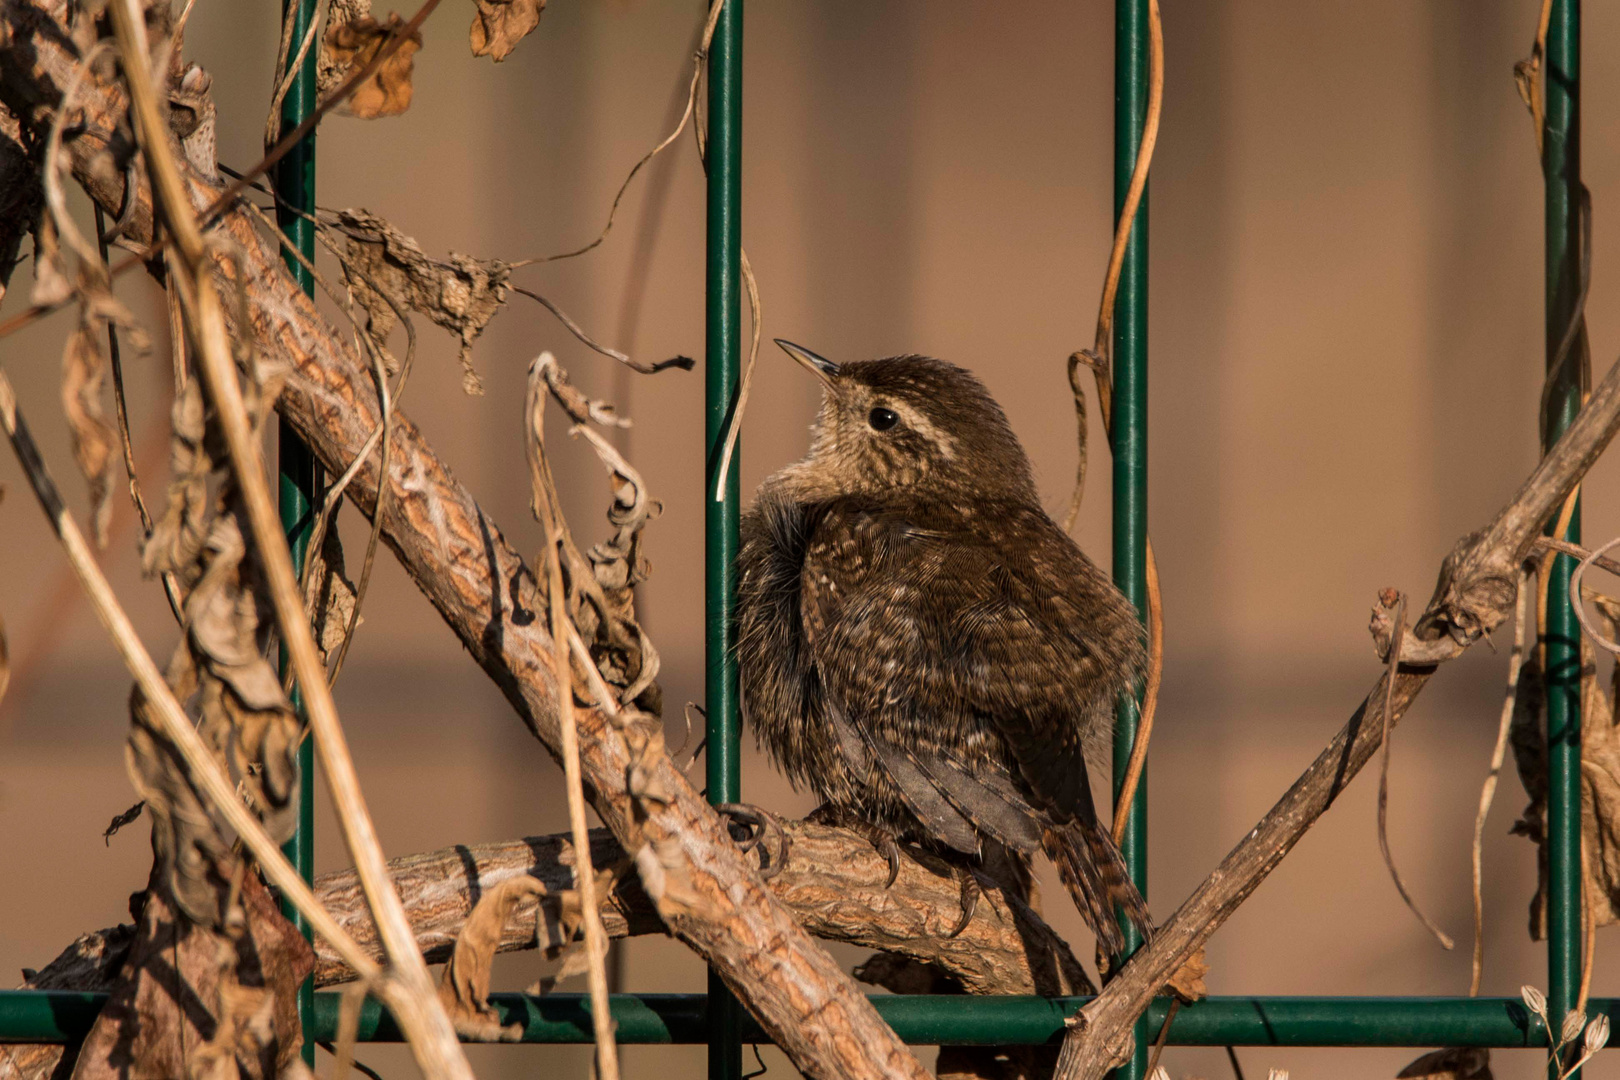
x=716, y=1019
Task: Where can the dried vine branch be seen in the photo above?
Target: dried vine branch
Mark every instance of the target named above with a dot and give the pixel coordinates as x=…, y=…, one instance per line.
x=835, y=884
x=486, y=594
x=1474, y=594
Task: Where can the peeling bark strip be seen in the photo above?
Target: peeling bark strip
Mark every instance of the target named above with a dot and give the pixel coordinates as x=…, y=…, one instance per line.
x=1477, y=585
x=483, y=590
x=834, y=883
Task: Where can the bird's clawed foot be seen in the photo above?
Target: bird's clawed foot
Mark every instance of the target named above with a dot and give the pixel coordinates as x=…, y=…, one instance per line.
x=881, y=839
x=971, y=891
x=749, y=825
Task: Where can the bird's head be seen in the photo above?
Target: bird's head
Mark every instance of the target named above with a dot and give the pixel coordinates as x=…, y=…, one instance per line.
x=907, y=424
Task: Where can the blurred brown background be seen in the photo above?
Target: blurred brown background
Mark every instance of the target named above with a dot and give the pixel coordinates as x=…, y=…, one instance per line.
x=1346, y=340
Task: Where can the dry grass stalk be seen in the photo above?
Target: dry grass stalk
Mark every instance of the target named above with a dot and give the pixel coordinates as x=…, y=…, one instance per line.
x=1488, y=790
x=420, y=1014
x=545, y=508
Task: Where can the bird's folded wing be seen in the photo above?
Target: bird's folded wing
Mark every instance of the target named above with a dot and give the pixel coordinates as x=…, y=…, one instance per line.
x=918, y=625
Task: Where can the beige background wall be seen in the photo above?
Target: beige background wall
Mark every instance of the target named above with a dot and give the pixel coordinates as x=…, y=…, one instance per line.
x=1345, y=333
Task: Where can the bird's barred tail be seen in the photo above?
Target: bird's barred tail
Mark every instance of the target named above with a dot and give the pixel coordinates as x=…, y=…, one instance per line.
x=1093, y=870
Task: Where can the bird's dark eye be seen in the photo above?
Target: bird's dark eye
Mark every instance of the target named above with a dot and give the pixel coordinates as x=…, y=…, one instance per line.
x=882, y=419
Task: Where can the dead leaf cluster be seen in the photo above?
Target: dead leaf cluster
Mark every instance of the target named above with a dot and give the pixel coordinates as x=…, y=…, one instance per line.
x=350, y=44
x=387, y=271
x=500, y=24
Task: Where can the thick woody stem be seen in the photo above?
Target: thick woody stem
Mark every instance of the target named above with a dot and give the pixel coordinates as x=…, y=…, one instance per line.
x=834, y=881
x=486, y=594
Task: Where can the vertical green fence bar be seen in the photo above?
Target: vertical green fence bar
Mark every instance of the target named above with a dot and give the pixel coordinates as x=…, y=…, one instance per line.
x=294, y=179
x=1131, y=63
x=723, y=343
x=1561, y=167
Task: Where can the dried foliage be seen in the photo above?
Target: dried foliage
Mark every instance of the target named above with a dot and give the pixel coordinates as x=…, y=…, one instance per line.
x=352, y=44
x=464, y=987
x=500, y=24
x=1600, y=776
x=388, y=271
x=209, y=1002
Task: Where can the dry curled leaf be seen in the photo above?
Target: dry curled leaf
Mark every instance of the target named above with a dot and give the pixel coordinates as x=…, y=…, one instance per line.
x=350, y=45
x=464, y=988
x=84, y=373
x=461, y=294
x=1452, y=1063
x=178, y=534
x=1600, y=782
x=330, y=597
x=500, y=24
x=127, y=817
x=330, y=71
x=1188, y=981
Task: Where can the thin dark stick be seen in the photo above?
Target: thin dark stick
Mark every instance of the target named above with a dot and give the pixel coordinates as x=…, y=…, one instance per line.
x=1237, y=1070
x=1164, y=1036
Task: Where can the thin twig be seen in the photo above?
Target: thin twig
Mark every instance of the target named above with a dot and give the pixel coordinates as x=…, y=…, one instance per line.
x=1102, y=343
x=1164, y=1033
x=433, y=1039
x=1150, y=700
x=1237, y=1070
x=287, y=73
x=607, y=1058
x=691, y=101
x=1577, y=602
x=1487, y=793
x=1564, y=547
x=1396, y=637
x=685, y=363
x=120, y=404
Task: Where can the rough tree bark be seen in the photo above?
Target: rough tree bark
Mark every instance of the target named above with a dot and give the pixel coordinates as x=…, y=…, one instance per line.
x=834, y=883
x=483, y=590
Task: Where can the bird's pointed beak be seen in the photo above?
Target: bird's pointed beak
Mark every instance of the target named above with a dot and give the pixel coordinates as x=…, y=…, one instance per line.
x=820, y=366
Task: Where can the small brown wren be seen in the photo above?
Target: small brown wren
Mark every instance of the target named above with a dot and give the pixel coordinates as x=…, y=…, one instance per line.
x=921, y=644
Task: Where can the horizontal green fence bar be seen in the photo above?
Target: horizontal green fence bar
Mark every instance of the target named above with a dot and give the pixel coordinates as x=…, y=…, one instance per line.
x=926, y=1020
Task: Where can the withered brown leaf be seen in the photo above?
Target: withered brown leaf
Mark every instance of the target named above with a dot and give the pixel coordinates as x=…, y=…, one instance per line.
x=1600, y=781
x=84, y=372
x=464, y=987
x=1188, y=981
x=354, y=44
x=330, y=597
x=500, y=24
x=461, y=294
